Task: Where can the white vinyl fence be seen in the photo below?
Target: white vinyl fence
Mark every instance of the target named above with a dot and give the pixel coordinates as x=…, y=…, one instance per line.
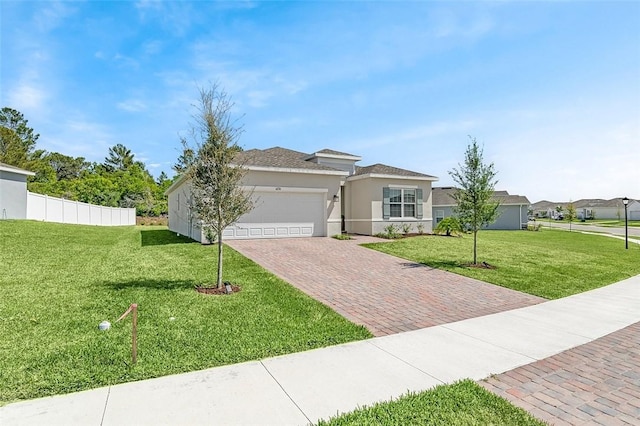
x=51, y=209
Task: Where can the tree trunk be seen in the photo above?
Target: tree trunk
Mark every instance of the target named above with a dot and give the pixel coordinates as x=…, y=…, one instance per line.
x=475, y=248
x=219, y=280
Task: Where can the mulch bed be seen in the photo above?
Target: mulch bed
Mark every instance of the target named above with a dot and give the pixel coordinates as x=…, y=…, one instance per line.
x=481, y=265
x=222, y=291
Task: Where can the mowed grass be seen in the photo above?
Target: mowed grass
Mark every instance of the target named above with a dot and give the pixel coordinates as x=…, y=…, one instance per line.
x=613, y=223
x=58, y=282
x=462, y=404
x=549, y=263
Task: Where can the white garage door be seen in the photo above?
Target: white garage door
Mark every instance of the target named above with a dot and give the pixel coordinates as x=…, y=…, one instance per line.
x=282, y=215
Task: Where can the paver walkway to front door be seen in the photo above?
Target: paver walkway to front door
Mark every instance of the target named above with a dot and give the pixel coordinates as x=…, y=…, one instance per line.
x=384, y=293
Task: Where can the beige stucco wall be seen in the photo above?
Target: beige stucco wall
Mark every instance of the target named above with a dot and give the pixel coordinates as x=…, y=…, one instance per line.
x=365, y=205
x=180, y=217
x=304, y=180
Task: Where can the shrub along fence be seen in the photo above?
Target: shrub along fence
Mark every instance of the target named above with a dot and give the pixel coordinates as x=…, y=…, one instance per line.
x=52, y=209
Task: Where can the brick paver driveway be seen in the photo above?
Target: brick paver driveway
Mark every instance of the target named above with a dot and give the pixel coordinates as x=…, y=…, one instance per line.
x=384, y=293
x=597, y=383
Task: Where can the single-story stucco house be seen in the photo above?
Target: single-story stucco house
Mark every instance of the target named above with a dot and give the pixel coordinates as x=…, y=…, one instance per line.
x=320, y=194
x=13, y=192
x=512, y=211
x=590, y=208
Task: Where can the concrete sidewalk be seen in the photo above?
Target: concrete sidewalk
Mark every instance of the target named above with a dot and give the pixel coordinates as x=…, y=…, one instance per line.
x=304, y=387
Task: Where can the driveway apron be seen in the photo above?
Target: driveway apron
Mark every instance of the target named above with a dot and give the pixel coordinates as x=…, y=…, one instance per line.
x=385, y=294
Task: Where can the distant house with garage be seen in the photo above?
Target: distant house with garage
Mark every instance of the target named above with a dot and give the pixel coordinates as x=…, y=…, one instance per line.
x=512, y=211
x=590, y=208
x=318, y=194
x=13, y=192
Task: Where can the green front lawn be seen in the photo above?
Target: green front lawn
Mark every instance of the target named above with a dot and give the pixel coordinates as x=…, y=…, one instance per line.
x=550, y=263
x=462, y=403
x=613, y=223
x=58, y=282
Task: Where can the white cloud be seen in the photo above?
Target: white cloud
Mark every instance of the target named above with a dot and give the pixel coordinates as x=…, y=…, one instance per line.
x=175, y=17
x=79, y=138
x=27, y=97
x=52, y=15
x=152, y=47
x=132, y=105
x=258, y=98
x=126, y=61
x=283, y=123
x=450, y=24
x=418, y=134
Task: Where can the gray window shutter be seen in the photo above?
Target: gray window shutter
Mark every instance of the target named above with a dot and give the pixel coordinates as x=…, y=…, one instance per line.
x=386, y=207
x=418, y=203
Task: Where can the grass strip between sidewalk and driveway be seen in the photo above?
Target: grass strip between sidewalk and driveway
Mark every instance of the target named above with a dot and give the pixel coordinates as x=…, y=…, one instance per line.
x=463, y=403
x=59, y=282
x=550, y=263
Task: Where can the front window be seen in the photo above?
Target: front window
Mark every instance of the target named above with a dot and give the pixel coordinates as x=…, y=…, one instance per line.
x=402, y=202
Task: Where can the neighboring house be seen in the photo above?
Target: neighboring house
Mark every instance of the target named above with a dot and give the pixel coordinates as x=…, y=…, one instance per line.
x=547, y=209
x=319, y=194
x=13, y=192
x=591, y=208
x=512, y=210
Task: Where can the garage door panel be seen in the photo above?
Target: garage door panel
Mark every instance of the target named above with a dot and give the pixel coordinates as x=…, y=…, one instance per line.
x=282, y=215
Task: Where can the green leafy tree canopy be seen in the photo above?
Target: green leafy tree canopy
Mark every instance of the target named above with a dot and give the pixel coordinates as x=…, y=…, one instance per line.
x=17, y=139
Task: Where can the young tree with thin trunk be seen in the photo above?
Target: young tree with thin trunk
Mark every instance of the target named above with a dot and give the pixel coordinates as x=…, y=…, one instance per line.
x=571, y=214
x=217, y=197
x=475, y=186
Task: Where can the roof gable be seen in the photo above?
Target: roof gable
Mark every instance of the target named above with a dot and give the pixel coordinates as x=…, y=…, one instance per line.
x=383, y=169
x=443, y=196
x=278, y=157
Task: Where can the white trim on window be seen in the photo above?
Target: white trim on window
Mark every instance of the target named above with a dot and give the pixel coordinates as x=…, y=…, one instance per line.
x=402, y=203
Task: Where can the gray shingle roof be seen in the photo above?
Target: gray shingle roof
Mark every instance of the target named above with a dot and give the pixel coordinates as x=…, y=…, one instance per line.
x=383, y=169
x=278, y=157
x=442, y=196
x=598, y=202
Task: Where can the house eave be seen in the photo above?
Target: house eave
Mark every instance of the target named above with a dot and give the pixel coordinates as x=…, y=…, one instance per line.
x=176, y=184
x=295, y=170
x=383, y=176
x=16, y=170
x=335, y=156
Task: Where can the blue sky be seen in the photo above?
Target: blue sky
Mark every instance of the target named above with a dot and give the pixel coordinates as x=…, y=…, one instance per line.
x=551, y=89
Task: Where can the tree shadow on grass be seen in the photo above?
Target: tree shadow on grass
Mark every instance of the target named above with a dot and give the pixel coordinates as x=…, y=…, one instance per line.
x=151, y=284
x=160, y=237
x=443, y=264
